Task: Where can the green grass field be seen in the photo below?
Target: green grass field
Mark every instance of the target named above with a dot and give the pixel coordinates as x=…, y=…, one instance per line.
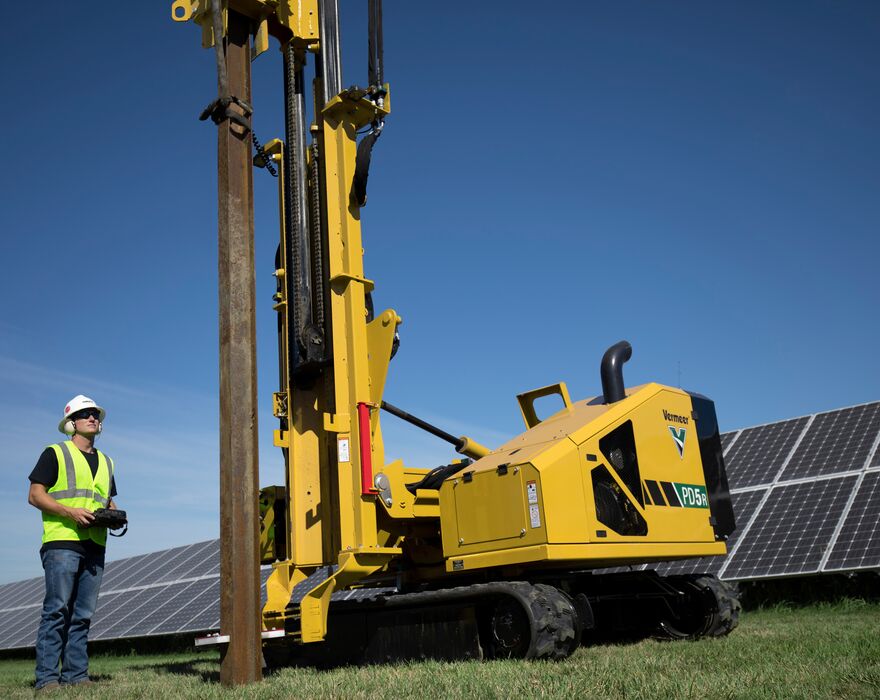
x=824, y=651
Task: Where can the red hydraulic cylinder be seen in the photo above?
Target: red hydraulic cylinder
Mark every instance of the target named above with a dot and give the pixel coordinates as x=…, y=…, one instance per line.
x=366, y=449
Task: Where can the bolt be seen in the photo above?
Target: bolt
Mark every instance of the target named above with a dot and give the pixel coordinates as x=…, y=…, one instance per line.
x=461, y=540
x=522, y=533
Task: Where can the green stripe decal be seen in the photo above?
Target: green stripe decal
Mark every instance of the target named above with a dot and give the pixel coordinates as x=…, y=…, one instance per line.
x=692, y=495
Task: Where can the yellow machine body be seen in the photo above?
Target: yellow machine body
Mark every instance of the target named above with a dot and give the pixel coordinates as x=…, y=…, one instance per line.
x=532, y=501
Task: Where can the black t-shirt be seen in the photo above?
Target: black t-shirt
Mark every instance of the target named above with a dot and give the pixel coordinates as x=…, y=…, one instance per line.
x=46, y=473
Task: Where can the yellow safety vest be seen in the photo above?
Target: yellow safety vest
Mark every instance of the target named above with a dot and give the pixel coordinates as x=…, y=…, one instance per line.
x=77, y=488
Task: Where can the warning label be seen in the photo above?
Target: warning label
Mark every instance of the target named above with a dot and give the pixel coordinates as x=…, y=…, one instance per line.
x=344, y=452
x=535, y=516
x=532, y=491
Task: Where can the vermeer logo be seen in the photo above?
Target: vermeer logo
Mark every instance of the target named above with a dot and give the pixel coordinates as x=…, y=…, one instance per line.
x=674, y=417
x=678, y=435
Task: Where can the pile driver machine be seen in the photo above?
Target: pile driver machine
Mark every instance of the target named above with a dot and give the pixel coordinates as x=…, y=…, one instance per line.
x=516, y=551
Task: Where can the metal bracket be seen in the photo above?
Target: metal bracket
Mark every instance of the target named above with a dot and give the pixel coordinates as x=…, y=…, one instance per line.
x=383, y=485
x=279, y=404
x=218, y=638
x=337, y=422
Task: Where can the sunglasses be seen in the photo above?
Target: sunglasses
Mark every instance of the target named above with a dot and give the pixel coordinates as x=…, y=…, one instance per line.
x=86, y=413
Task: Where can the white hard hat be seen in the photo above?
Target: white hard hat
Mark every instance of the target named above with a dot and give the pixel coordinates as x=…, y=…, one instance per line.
x=77, y=403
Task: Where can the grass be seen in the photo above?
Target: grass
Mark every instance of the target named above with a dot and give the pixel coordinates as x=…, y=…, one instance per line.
x=824, y=651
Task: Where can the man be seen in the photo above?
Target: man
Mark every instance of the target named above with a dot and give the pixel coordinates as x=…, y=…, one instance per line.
x=70, y=481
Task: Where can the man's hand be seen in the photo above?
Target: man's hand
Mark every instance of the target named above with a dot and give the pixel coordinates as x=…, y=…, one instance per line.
x=81, y=516
x=39, y=498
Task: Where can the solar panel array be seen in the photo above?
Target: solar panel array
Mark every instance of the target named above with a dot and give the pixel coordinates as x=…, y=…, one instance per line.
x=806, y=494
x=175, y=590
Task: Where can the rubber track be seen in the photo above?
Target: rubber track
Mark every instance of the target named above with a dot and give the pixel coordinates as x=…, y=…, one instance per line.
x=726, y=616
x=552, y=617
x=720, y=607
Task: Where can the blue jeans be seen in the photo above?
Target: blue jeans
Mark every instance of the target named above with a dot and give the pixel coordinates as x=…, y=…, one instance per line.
x=72, y=583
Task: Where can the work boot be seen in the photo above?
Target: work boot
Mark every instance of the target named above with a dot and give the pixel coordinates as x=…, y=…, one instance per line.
x=49, y=687
x=81, y=684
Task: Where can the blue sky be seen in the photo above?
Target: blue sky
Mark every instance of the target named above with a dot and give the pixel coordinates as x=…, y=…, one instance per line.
x=699, y=178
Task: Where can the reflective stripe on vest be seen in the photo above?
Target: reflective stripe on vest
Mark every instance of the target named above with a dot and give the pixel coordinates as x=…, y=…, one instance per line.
x=75, y=487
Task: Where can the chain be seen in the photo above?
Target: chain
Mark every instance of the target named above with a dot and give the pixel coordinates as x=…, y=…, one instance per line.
x=263, y=155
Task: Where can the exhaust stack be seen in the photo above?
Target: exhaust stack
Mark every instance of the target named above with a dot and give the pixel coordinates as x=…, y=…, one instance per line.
x=611, y=370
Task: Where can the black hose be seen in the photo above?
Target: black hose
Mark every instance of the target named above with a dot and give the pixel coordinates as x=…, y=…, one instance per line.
x=375, y=48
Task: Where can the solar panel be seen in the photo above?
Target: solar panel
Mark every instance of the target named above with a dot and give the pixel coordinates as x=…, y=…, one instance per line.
x=759, y=453
x=838, y=441
x=194, y=563
x=165, y=605
x=858, y=542
x=25, y=594
x=727, y=439
x=15, y=623
x=791, y=530
x=167, y=561
x=204, y=605
x=119, y=570
x=10, y=591
x=208, y=617
x=145, y=571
